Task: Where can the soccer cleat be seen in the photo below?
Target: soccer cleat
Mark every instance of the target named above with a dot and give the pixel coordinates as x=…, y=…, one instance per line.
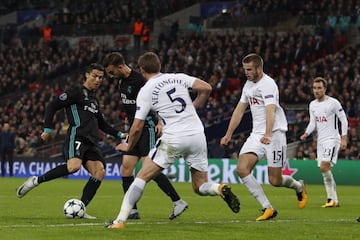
x=268, y=213
x=358, y=219
x=113, y=225
x=330, y=203
x=302, y=196
x=87, y=216
x=229, y=197
x=29, y=184
x=134, y=214
x=179, y=207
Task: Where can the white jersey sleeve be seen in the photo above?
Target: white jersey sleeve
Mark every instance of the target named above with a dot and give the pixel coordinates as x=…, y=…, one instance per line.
x=143, y=105
x=312, y=122
x=340, y=113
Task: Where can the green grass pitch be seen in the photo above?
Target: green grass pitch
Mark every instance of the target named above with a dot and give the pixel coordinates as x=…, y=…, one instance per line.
x=39, y=214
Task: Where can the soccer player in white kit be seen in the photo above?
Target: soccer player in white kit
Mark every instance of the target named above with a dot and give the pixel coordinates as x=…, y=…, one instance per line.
x=183, y=134
x=325, y=112
x=268, y=136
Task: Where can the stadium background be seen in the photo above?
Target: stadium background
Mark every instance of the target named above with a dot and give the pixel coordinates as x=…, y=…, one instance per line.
x=297, y=39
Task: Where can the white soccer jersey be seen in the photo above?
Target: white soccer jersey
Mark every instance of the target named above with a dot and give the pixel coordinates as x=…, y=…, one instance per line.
x=258, y=95
x=168, y=95
x=324, y=118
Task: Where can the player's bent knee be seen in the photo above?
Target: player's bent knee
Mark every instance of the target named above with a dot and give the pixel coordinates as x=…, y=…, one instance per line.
x=99, y=174
x=73, y=168
x=242, y=172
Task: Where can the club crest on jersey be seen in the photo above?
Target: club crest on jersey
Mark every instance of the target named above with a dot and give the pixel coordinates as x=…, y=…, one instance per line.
x=63, y=96
x=321, y=119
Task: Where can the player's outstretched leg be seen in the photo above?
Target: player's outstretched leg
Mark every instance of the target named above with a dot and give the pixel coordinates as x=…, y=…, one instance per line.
x=229, y=197
x=29, y=184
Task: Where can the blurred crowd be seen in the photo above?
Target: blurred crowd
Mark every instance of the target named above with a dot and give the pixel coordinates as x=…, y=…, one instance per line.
x=91, y=9
x=32, y=74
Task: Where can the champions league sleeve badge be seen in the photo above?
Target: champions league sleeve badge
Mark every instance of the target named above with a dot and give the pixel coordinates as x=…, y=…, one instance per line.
x=63, y=96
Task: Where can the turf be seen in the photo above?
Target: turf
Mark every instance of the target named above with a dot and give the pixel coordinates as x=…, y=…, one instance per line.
x=39, y=214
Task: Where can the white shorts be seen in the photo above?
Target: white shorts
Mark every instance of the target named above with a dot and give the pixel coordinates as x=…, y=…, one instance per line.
x=328, y=152
x=274, y=153
x=192, y=148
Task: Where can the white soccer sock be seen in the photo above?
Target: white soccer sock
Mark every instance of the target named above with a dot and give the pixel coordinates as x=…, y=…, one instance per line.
x=209, y=189
x=131, y=197
x=336, y=200
x=330, y=186
x=290, y=182
x=256, y=190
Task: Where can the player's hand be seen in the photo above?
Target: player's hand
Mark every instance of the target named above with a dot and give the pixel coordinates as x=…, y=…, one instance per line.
x=159, y=130
x=343, y=144
x=225, y=140
x=265, y=140
x=122, y=147
x=303, y=137
x=45, y=136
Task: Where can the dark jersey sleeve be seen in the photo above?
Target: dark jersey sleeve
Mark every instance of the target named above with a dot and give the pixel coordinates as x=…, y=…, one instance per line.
x=105, y=127
x=62, y=101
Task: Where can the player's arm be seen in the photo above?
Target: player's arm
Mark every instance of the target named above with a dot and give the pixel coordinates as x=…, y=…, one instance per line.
x=158, y=126
x=106, y=128
x=134, y=136
x=63, y=100
x=310, y=127
x=269, y=96
x=270, y=119
x=344, y=126
x=203, y=90
x=343, y=143
x=234, y=122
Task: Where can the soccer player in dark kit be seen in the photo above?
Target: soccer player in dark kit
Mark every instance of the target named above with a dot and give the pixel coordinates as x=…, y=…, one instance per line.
x=81, y=144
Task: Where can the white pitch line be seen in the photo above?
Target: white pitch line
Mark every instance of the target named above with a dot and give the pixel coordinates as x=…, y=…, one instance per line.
x=171, y=222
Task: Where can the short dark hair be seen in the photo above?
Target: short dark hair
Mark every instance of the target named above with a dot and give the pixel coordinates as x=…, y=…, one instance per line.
x=322, y=80
x=113, y=58
x=256, y=59
x=150, y=62
x=96, y=66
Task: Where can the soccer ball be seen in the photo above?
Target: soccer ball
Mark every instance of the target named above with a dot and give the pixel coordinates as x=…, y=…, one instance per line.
x=74, y=208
